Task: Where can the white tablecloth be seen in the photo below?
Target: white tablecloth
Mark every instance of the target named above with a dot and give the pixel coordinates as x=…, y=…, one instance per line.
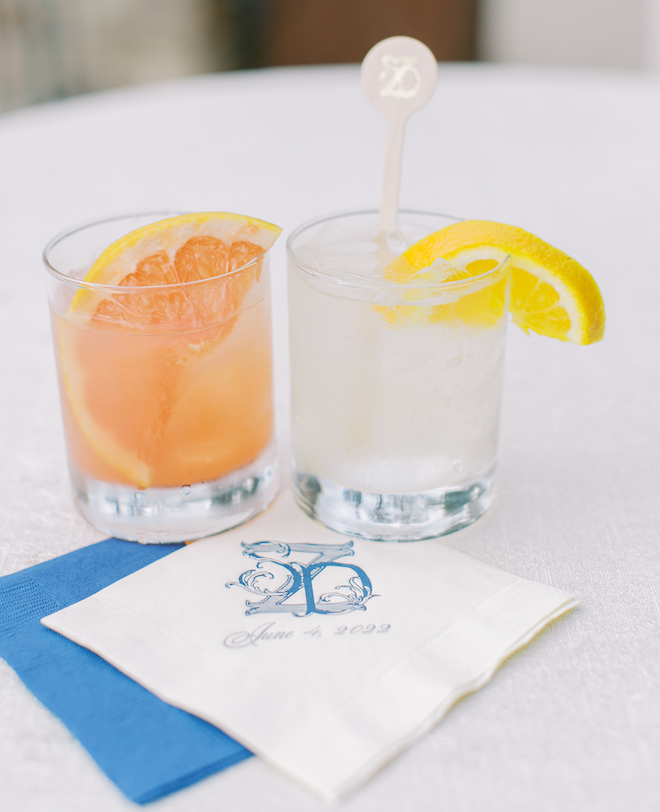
x=573, y=721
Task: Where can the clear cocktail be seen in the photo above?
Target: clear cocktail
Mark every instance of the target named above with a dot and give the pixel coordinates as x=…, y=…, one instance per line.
x=396, y=379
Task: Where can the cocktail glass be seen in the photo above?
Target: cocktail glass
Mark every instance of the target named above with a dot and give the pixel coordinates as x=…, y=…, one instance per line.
x=169, y=433
x=396, y=387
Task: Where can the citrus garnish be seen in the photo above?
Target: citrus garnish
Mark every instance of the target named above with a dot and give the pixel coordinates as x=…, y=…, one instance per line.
x=181, y=249
x=156, y=393
x=551, y=293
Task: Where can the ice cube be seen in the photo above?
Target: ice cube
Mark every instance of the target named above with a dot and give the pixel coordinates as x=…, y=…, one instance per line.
x=438, y=272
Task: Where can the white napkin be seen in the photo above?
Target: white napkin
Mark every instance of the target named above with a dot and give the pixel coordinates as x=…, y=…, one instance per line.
x=323, y=654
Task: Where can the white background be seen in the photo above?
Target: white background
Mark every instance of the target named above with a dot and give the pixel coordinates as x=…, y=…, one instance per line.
x=596, y=33
x=573, y=721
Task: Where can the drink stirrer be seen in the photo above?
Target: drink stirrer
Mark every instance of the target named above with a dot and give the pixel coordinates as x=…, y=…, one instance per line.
x=398, y=77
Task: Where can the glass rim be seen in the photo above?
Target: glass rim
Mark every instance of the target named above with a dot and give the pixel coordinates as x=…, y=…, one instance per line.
x=347, y=279
x=100, y=287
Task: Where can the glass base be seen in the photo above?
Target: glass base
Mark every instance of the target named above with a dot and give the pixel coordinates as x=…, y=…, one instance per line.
x=393, y=516
x=166, y=515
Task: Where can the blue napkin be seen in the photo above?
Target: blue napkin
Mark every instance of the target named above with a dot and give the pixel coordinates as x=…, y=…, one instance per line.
x=148, y=748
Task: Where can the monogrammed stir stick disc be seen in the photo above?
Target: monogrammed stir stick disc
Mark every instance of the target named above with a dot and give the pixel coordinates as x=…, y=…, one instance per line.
x=398, y=77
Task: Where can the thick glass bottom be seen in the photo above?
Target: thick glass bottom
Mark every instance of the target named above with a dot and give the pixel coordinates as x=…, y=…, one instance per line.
x=166, y=515
x=394, y=516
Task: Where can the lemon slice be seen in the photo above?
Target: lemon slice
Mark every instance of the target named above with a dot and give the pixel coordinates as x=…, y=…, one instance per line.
x=551, y=293
x=124, y=356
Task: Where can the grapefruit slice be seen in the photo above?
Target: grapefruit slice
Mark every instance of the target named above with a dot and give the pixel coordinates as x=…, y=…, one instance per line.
x=178, y=250
x=130, y=359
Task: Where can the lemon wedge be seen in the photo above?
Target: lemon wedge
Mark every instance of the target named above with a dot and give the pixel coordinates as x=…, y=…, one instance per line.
x=551, y=294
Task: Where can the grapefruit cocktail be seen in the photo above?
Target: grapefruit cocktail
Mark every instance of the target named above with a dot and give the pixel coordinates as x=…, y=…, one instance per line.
x=163, y=348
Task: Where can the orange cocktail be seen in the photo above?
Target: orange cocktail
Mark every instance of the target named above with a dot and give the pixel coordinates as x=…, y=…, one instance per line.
x=163, y=347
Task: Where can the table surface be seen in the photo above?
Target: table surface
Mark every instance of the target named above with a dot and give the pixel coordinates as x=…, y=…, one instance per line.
x=573, y=721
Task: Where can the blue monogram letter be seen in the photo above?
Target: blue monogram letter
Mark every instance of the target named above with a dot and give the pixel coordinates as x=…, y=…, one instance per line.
x=297, y=579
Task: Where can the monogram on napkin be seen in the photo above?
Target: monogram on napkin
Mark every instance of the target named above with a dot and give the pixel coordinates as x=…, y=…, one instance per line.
x=323, y=654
